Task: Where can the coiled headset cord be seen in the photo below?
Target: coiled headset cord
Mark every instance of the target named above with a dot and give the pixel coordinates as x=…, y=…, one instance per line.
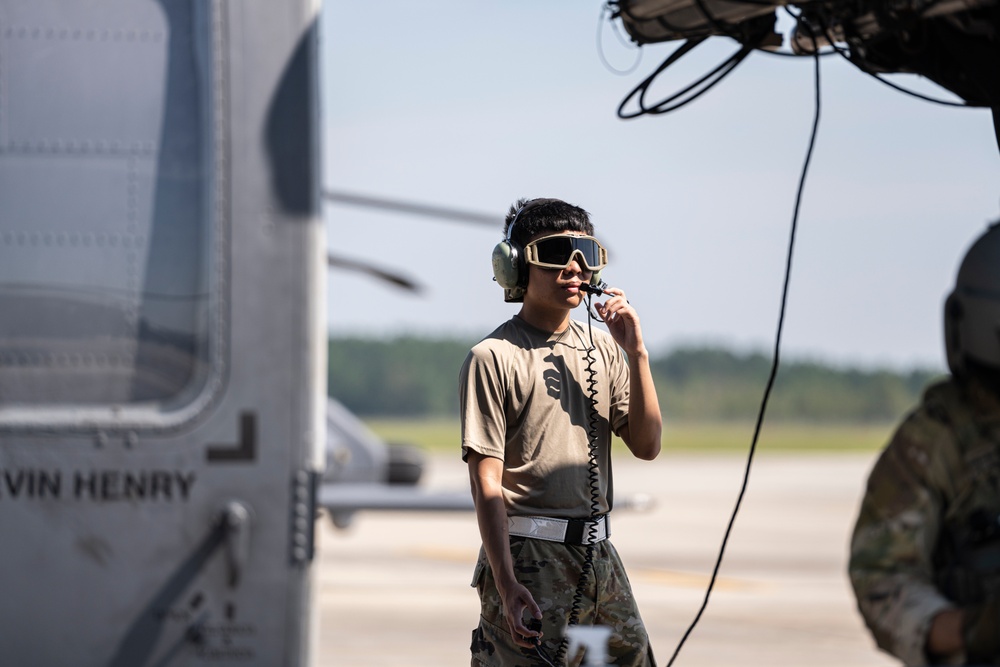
x=594, y=480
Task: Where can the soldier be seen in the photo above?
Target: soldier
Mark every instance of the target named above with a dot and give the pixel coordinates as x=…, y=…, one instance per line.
x=925, y=554
x=540, y=399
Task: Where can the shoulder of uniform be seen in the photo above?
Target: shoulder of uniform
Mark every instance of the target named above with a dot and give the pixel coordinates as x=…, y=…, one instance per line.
x=499, y=337
x=929, y=439
x=945, y=402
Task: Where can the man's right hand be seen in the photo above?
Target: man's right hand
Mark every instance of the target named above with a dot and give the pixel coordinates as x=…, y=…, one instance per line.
x=516, y=600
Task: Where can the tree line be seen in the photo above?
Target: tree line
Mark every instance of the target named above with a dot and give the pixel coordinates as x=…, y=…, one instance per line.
x=409, y=376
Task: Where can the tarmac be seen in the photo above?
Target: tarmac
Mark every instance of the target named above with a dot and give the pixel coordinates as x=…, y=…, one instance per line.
x=394, y=587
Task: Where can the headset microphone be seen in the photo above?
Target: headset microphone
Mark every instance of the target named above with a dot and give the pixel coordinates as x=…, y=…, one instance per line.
x=599, y=288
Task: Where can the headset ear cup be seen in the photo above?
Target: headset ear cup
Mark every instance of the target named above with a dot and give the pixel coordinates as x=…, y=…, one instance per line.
x=595, y=278
x=505, y=265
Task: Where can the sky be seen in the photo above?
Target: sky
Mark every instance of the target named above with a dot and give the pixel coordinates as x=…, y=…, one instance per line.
x=475, y=104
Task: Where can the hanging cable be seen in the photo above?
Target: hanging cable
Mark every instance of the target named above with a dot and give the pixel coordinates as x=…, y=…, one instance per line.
x=906, y=91
x=668, y=104
x=774, y=364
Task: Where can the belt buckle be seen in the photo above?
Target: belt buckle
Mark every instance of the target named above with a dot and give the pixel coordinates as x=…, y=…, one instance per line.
x=584, y=532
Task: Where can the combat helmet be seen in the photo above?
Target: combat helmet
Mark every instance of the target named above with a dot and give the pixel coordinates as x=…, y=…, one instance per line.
x=972, y=310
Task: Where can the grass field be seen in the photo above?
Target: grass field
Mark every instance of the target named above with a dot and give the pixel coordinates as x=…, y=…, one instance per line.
x=442, y=435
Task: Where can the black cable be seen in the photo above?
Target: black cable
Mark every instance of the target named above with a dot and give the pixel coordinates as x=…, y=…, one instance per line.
x=668, y=104
x=907, y=91
x=543, y=655
x=774, y=364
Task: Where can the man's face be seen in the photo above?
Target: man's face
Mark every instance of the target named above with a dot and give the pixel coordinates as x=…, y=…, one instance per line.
x=557, y=287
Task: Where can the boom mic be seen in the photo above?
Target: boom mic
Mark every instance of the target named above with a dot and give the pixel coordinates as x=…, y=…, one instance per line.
x=595, y=289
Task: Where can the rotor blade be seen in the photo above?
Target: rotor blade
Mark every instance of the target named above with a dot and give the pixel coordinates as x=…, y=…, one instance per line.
x=413, y=208
x=382, y=274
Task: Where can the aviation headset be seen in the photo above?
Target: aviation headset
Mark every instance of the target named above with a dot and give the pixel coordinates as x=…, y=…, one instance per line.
x=510, y=269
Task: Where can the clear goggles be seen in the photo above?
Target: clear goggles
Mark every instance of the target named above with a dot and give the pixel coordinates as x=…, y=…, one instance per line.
x=557, y=252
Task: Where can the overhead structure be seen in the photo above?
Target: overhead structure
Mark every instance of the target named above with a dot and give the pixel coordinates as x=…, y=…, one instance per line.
x=953, y=43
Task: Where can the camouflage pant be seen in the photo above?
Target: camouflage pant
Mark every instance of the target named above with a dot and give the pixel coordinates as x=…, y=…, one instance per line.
x=551, y=571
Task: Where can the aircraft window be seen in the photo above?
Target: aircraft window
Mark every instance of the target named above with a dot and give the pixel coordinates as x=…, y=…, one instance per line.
x=108, y=225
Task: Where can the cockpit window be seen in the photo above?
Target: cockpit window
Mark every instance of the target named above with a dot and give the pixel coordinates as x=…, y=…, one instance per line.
x=108, y=220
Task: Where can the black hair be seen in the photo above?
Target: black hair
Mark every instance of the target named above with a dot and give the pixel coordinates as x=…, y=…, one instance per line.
x=545, y=215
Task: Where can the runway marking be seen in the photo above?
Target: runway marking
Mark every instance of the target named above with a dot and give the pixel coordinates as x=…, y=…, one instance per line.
x=690, y=580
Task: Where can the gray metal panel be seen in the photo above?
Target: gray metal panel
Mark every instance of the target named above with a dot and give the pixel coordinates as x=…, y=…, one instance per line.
x=112, y=153
x=89, y=50
x=121, y=554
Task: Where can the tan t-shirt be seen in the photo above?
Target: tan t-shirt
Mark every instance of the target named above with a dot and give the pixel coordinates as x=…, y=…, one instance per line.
x=525, y=399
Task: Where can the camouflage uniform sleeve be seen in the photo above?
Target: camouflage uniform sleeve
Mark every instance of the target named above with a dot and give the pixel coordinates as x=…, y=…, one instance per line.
x=891, y=557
